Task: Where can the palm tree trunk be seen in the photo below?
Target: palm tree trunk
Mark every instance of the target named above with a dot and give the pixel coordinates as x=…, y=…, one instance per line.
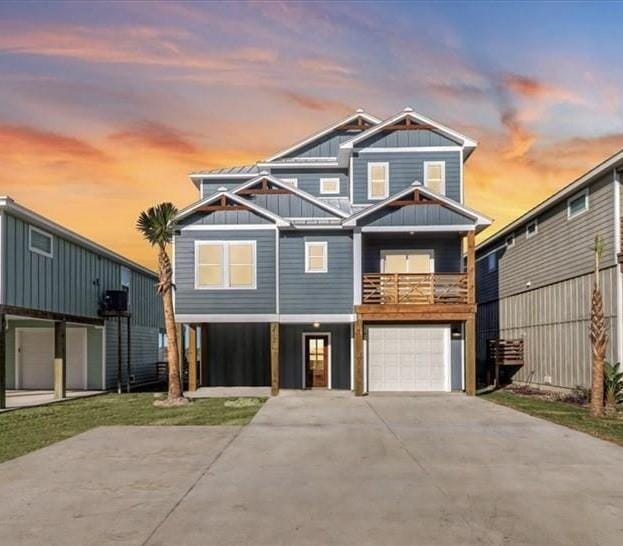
x=598, y=345
x=166, y=290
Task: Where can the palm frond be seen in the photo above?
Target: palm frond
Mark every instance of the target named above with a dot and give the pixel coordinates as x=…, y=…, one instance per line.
x=156, y=224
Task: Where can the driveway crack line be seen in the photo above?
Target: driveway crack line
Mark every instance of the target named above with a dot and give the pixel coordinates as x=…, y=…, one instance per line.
x=192, y=486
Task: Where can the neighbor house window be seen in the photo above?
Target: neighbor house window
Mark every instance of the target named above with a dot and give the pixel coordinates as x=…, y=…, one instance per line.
x=40, y=242
x=329, y=185
x=316, y=257
x=293, y=182
x=510, y=241
x=378, y=180
x=225, y=264
x=532, y=229
x=492, y=262
x=435, y=176
x=577, y=204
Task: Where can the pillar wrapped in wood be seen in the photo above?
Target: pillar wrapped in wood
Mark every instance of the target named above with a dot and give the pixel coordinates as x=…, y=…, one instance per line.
x=470, y=356
x=359, y=358
x=60, y=360
x=192, y=357
x=274, y=358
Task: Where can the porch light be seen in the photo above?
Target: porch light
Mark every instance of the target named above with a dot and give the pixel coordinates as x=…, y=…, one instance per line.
x=316, y=325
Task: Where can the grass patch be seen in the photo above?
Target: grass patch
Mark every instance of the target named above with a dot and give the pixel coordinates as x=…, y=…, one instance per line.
x=562, y=413
x=25, y=430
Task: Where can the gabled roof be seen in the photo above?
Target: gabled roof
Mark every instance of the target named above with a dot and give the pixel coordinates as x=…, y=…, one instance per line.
x=418, y=118
x=191, y=209
x=295, y=191
x=608, y=165
x=360, y=113
x=479, y=219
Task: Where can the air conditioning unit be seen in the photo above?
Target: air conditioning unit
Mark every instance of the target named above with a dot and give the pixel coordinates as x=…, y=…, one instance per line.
x=116, y=301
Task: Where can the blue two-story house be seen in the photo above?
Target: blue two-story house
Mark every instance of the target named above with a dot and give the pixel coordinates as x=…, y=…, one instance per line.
x=336, y=263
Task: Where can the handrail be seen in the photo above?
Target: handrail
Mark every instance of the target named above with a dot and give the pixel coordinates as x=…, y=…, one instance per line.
x=415, y=288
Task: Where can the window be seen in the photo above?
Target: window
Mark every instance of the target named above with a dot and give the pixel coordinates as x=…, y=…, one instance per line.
x=294, y=182
x=316, y=257
x=492, y=262
x=577, y=204
x=510, y=241
x=435, y=176
x=126, y=276
x=40, y=242
x=225, y=264
x=378, y=180
x=329, y=185
x=532, y=229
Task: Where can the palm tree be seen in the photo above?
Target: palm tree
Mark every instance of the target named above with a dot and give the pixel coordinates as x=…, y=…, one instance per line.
x=156, y=225
x=599, y=339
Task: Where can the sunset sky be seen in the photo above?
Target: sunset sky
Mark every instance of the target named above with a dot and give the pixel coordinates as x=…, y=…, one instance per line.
x=106, y=107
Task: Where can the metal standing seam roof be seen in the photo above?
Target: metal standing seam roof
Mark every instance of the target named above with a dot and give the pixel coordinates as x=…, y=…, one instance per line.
x=243, y=169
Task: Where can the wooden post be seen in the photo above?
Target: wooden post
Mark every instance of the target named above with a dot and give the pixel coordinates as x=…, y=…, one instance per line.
x=2, y=361
x=471, y=267
x=470, y=356
x=274, y=358
x=60, y=360
x=204, y=377
x=192, y=357
x=359, y=357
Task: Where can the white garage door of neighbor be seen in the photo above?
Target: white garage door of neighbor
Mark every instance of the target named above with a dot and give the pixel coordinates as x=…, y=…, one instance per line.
x=409, y=358
x=36, y=358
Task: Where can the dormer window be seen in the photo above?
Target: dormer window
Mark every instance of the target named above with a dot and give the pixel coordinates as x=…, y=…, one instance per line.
x=435, y=176
x=378, y=181
x=329, y=186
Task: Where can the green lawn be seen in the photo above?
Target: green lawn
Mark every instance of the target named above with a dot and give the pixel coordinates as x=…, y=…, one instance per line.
x=25, y=430
x=563, y=413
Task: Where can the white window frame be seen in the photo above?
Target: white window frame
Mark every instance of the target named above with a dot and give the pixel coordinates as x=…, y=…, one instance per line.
x=378, y=164
x=443, y=174
x=330, y=179
x=294, y=182
x=534, y=223
x=325, y=248
x=225, y=264
x=492, y=262
x=510, y=241
x=38, y=250
x=583, y=193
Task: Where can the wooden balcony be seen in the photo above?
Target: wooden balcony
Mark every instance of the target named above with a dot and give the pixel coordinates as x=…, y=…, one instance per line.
x=415, y=289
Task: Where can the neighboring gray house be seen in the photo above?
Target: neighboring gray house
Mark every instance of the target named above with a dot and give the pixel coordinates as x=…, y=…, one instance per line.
x=535, y=277
x=52, y=284
x=335, y=263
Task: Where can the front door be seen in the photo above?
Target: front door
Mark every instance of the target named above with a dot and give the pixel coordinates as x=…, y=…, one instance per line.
x=316, y=361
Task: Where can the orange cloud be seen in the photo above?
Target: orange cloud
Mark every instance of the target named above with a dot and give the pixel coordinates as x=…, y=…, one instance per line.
x=156, y=135
x=314, y=103
x=533, y=88
x=520, y=139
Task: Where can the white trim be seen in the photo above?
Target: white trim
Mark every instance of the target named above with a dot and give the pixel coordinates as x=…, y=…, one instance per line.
x=300, y=165
x=277, y=287
x=38, y=250
x=296, y=191
x=8, y=204
x=461, y=181
x=352, y=358
x=369, y=118
x=85, y=364
x=350, y=178
x=335, y=179
x=325, y=256
x=237, y=199
x=216, y=175
x=357, y=274
x=427, y=164
x=292, y=182
x=103, y=329
x=388, y=252
x=534, y=222
x=384, y=164
x=479, y=219
x=409, y=112
x=492, y=251
x=316, y=226
x=17, y=380
x=412, y=149
x=422, y=229
x=310, y=318
x=225, y=265
x=571, y=188
x=574, y=197
x=305, y=335
x=229, y=227
x=619, y=274
x=180, y=317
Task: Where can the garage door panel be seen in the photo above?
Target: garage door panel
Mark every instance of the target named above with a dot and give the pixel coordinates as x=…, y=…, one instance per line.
x=409, y=357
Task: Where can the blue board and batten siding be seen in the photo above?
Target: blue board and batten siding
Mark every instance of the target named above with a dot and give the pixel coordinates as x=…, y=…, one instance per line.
x=403, y=139
x=290, y=205
x=404, y=169
x=415, y=215
x=309, y=180
x=326, y=146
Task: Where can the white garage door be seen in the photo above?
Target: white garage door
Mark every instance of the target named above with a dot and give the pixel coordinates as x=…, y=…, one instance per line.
x=36, y=358
x=409, y=358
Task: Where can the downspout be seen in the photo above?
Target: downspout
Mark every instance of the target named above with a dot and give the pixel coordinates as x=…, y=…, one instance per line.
x=619, y=273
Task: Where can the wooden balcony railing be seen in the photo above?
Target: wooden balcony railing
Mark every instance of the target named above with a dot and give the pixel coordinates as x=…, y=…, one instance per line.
x=415, y=288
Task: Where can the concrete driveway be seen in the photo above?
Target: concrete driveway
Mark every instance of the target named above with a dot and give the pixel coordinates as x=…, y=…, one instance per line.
x=323, y=468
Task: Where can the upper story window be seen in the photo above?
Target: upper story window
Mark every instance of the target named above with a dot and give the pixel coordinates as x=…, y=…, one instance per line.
x=225, y=265
x=126, y=276
x=492, y=262
x=316, y=257
x=510, y=241
x=40, y=242
x=435, y=176
x=577, y=204
x=378, y=180
x=329, y=185
x=294, y=182
x=532, y=229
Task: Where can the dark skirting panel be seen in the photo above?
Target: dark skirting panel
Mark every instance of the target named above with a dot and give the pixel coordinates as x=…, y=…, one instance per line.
x=291, y=354
x=238, y=355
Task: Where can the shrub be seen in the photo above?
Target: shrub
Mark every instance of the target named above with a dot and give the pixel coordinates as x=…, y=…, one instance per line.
x=613, y=386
